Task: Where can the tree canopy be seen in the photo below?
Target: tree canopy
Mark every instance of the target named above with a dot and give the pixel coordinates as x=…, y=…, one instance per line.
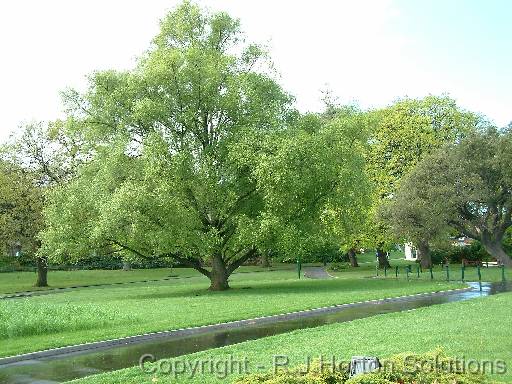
x=21, y=204
x=197, y=155
x=401, y=135
x=467, y=186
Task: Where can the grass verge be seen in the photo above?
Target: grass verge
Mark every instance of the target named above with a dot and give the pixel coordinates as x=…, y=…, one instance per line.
x=150, y=307
x=476, y=329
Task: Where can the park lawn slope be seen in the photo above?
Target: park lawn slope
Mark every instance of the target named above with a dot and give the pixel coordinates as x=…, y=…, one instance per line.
x=476, y=329
x=95, y=314
x=13, y=282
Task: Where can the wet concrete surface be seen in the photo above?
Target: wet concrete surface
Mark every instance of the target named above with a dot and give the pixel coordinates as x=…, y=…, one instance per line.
x=316, y=273
x=65, y=364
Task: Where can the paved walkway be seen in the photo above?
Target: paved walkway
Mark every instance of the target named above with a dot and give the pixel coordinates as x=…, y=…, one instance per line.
x=316, y=273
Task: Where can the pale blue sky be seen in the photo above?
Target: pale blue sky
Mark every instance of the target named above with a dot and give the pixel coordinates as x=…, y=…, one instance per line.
x=468, y=44
x=369, y=51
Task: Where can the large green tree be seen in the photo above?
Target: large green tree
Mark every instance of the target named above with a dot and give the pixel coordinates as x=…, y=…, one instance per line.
x=467, y=186
x=198, y=156
x=401, y=135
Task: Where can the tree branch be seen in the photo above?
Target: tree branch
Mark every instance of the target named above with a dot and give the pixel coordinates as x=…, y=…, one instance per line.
x=193, y=263
x=237, y=263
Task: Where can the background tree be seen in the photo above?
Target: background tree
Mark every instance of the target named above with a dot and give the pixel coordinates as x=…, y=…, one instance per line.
x=402, y=135
x=51, y=152
x=46, y=155
x=413, y=218
x=467, y=186
x=199, y=157
x=21, y=203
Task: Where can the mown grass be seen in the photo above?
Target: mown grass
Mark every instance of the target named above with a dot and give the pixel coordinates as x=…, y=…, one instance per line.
x=13, y=282
x=24, y=318
x=186, y=302
x=476, y=329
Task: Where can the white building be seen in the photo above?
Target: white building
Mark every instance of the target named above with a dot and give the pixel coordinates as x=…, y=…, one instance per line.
x=410, y=252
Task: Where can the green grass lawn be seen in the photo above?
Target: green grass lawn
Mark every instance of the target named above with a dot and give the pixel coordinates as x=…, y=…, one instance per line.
x=23, y=281
x=92, y=314
x=476, y=329
x=13, y=282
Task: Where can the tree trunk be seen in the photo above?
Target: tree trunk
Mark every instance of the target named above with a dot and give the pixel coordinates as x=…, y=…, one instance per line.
x=265, y=260
x=495, y=249
x=219, y=274
x=423, y=255
x=42, y=272
x=383, y=259
x=352, y=257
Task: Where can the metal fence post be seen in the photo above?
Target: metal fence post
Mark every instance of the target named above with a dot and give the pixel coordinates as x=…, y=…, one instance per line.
x=396, y=271
x=447, y=272
x=462, y=272
x=418, y=271
x=503, y=273
x=431, y=273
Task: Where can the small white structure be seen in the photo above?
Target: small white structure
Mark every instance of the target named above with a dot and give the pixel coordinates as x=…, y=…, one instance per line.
x=410, y=252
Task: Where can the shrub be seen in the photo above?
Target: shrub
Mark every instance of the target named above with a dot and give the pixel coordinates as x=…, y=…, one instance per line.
x=433, y=367
x=454, y=254
x=26, y=263
x=315, y=375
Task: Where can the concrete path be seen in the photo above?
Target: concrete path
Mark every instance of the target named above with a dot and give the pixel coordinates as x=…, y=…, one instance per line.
x=316, y=273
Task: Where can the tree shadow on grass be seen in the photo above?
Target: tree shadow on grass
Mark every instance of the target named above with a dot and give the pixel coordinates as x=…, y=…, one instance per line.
x=256, y=289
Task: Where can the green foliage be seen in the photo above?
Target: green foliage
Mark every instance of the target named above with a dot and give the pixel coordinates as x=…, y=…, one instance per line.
x=314, y=374
x=49, y=152
x=455, y=254
x=21, y=204
x=404, y=133
x=198, y=156
x=507, y=241
x=433, y=367
x=464, y=186
x=401, y=136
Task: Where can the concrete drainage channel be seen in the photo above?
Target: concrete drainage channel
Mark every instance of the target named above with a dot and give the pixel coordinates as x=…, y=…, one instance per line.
x=63, y=364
